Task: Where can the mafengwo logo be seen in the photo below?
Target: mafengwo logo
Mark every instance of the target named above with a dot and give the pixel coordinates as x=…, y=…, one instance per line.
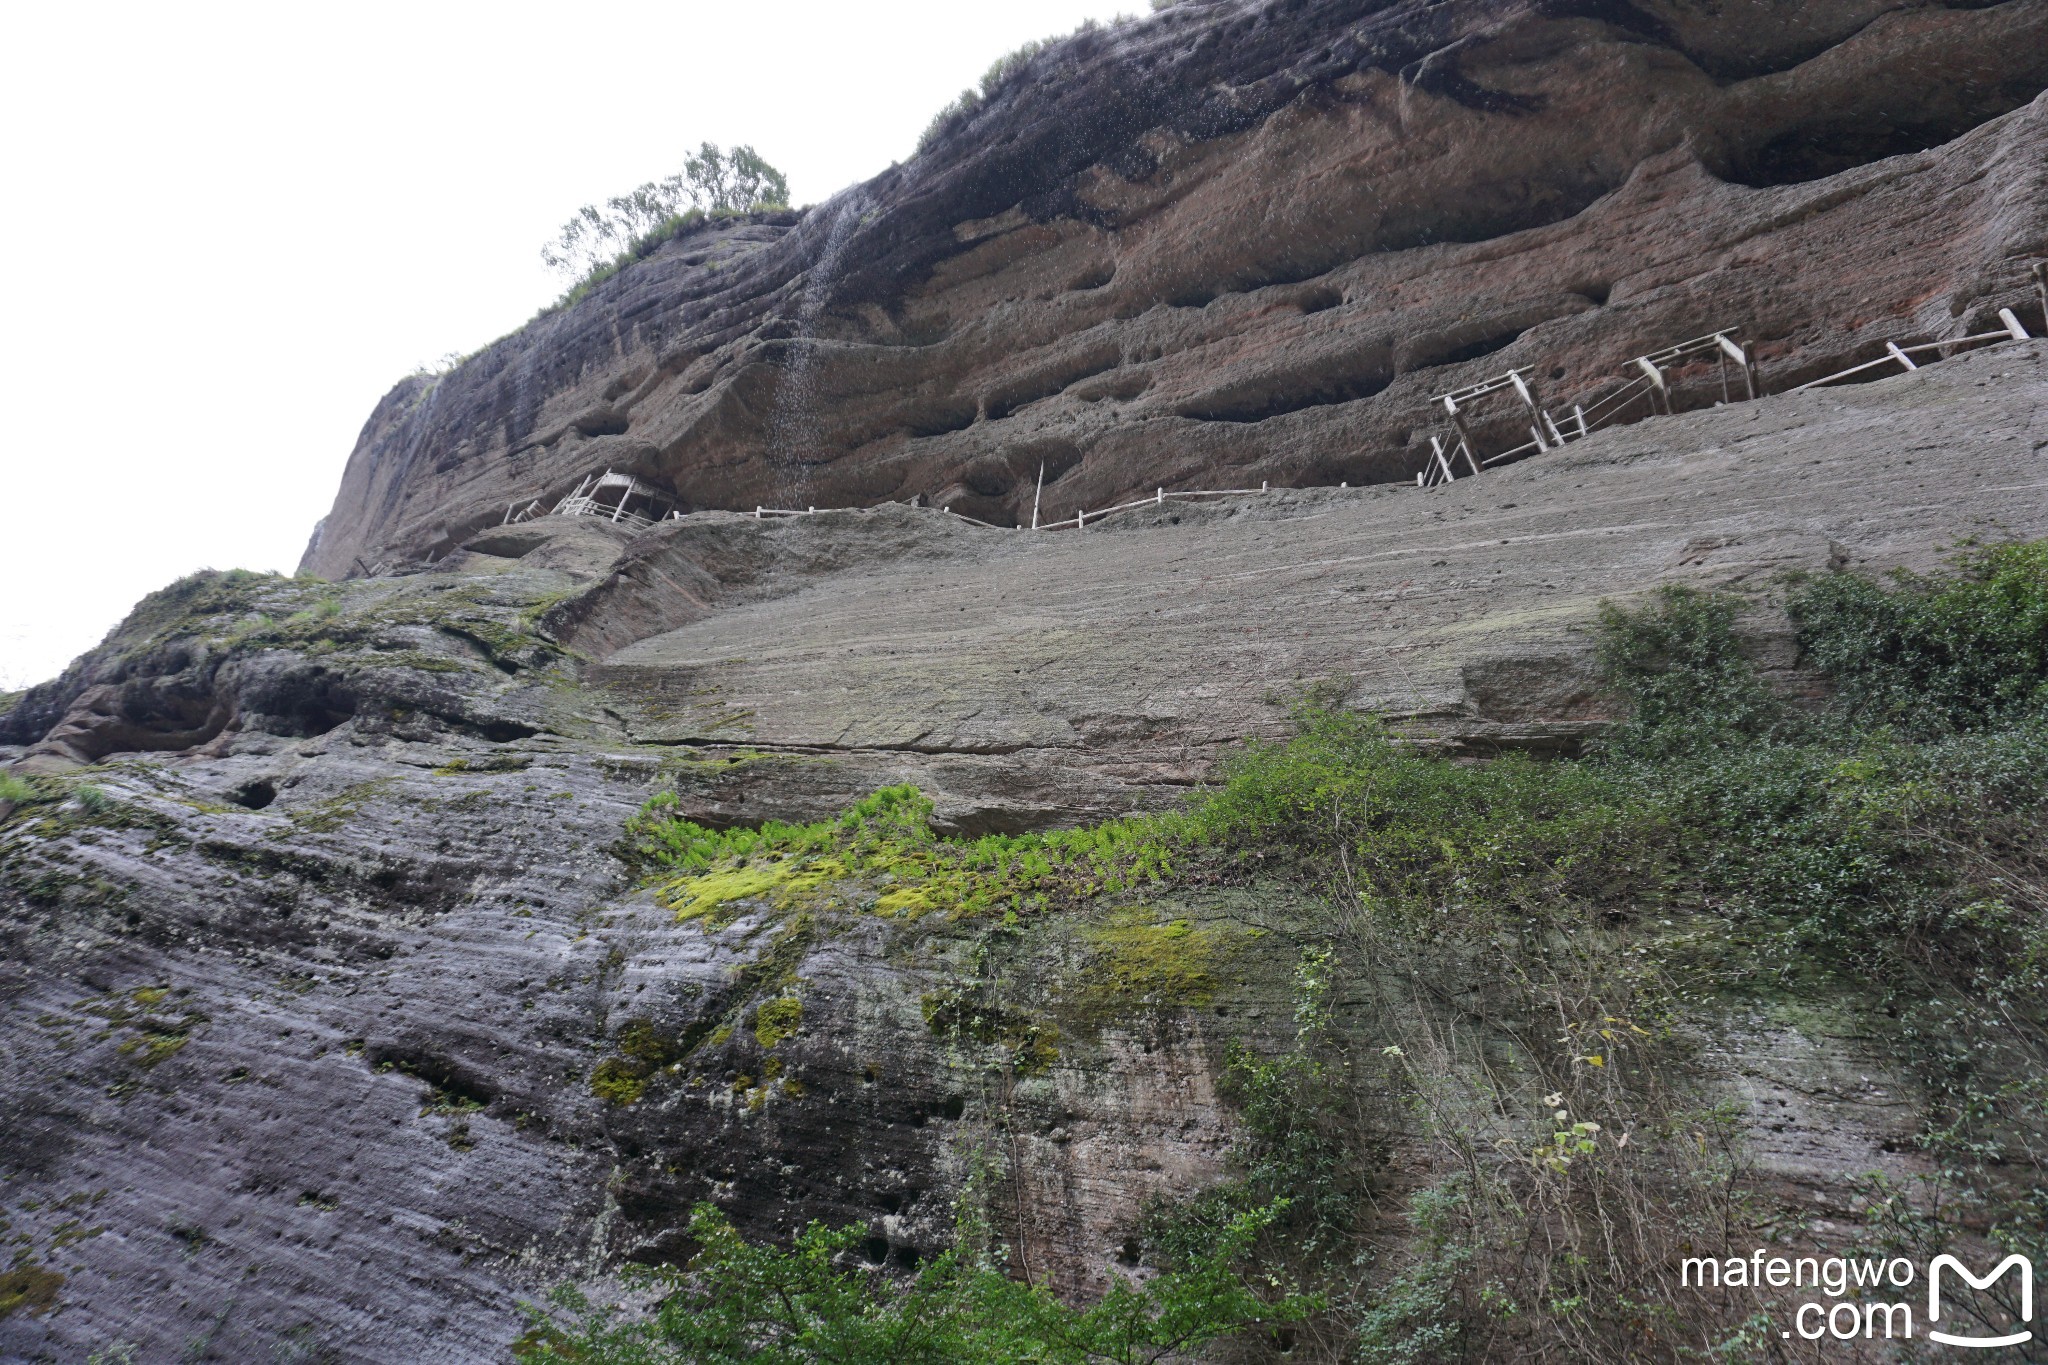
x=2015, y=1263
x=1998, y=1315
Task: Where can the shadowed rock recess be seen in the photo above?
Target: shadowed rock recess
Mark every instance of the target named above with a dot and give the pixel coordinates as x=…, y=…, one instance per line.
x=343, y=1009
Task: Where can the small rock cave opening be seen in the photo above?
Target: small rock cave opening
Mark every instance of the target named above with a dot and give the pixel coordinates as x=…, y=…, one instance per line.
x=1320, y=300
x=1428, y=356
x=601, y=423
x=1837, y=142
x=255, y=795
x=499, y=731
x=304, y=704
x=1345, y=381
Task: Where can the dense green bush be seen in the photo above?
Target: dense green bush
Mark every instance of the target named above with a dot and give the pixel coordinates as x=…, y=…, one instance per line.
x=744, y=1304
x=1687, y=683
x=1931, y=655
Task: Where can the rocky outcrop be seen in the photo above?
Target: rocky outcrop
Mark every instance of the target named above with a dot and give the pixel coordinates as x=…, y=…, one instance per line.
x=340, y=1012
x=1237, y=242
x=306, y=1031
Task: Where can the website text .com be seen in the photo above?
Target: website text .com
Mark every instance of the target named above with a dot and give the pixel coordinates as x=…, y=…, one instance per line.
x=1850, y=1307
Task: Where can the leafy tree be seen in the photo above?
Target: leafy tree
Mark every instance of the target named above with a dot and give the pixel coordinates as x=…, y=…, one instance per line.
x=742, y=1304
x=733, y=182
x=711, y=181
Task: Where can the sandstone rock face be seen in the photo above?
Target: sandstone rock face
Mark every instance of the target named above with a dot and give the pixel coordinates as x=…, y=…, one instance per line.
x=319, y=922
x=1238, y=242
x=302, y=1015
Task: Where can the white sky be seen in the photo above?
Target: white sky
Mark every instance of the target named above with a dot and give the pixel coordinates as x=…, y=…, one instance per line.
x=228, y=229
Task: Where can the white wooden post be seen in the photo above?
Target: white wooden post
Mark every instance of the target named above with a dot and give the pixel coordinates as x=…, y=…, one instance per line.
x=1580, y=413
x=1900, y=355
x=1523, y=389
x=2012, y=324
x=1464, y=433
x=1740, y=357
x=1656, y=384
x=1037, y=495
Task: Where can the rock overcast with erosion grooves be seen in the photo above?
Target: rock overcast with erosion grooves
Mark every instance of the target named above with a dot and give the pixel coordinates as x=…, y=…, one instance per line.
x=345, y=1004
x=1238, y=242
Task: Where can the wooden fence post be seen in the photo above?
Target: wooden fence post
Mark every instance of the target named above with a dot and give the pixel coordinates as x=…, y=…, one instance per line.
x=1657, y=386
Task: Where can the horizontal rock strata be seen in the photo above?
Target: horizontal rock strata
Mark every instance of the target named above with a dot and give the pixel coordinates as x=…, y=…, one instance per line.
x=1236, y=243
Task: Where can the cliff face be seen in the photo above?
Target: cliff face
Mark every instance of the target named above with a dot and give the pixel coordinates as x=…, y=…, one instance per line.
x=343, y=1008
x=1241, y=242
x=307, y=1012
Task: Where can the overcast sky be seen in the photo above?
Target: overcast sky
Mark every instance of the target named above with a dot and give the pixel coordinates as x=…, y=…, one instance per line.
x=229, y=229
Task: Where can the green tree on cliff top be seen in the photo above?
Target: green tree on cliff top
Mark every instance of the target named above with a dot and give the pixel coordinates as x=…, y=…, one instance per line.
x=711, y=181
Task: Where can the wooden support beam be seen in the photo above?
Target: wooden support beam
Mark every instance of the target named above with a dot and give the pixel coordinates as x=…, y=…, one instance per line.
x=2012, y=324
x=1437, y=448
x=1523, y=389
x=1900, y=355
x=1741, y=357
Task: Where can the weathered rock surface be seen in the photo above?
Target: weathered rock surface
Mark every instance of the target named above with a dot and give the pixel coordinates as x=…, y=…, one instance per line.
x=317, y=933
x=300, y=1027
x=1239, y=242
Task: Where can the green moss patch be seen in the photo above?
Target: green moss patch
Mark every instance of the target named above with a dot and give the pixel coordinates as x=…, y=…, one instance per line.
x=28, y=1289
x=1137, y=958
x=777, y=1019
x=618, y=1080
x=883, y=857
x=963, y=1016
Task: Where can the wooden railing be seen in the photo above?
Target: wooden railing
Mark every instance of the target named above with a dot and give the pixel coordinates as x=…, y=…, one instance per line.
x=1645, y=379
